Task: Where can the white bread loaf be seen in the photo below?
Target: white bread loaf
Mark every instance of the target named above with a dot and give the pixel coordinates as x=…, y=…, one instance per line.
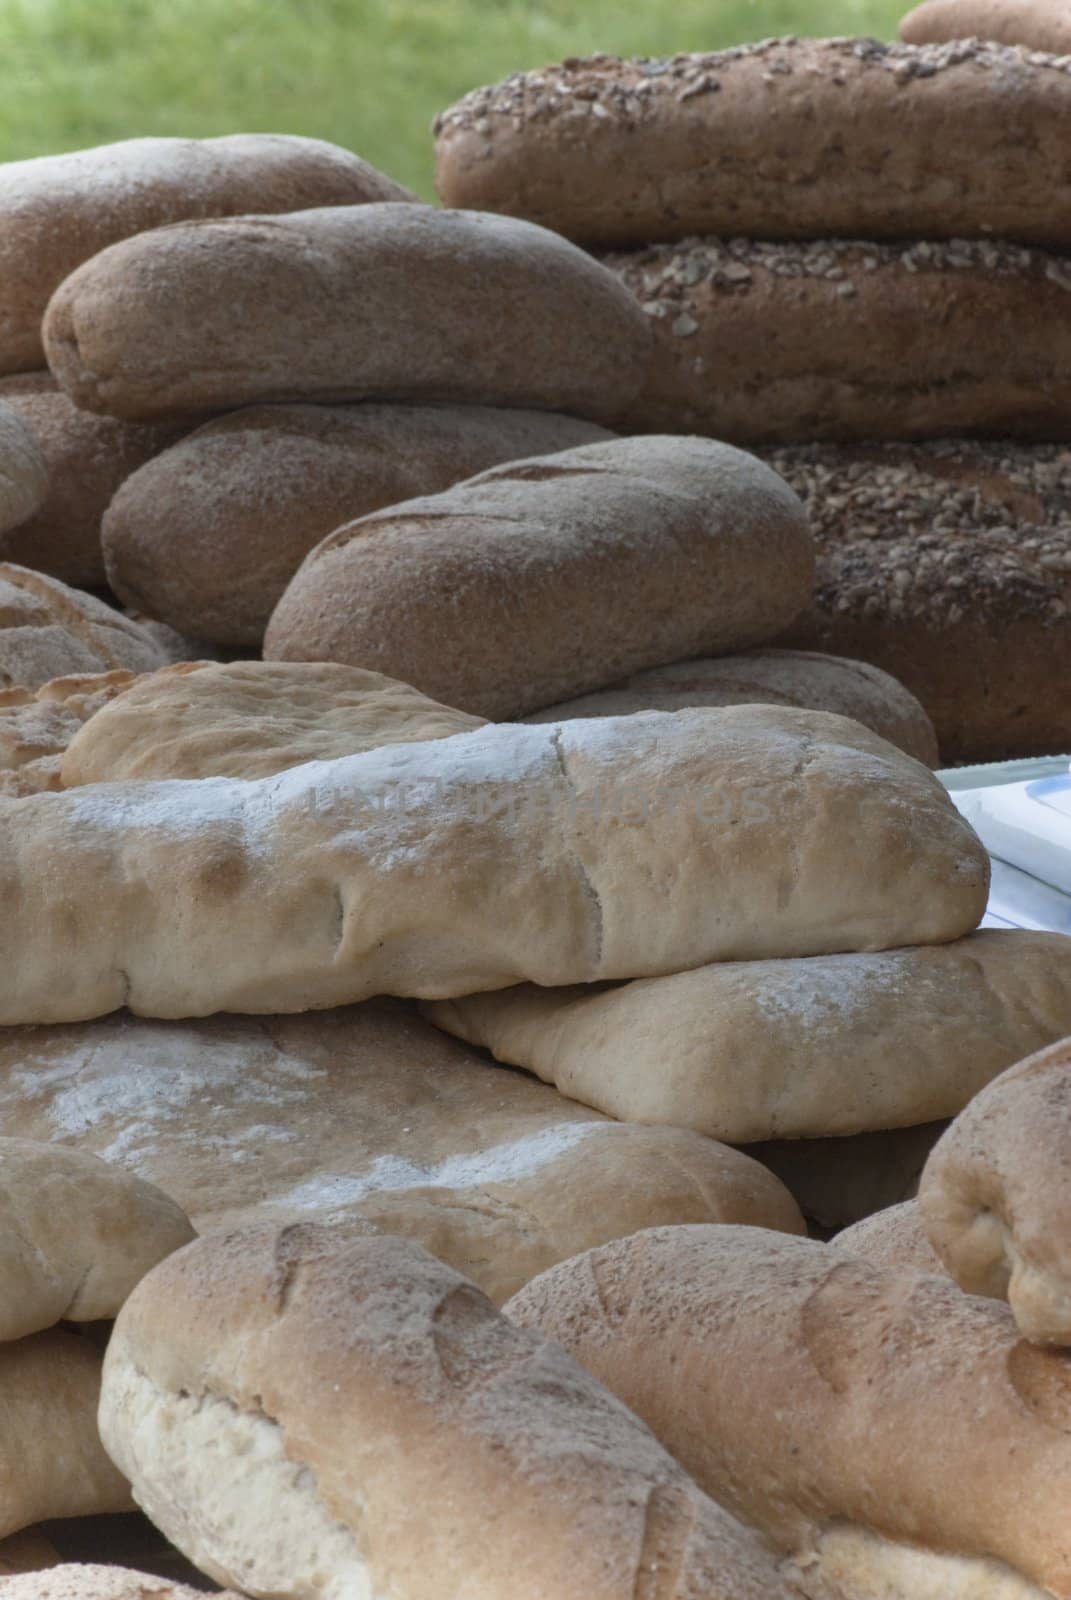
x=37, y=725
x=90, y=1581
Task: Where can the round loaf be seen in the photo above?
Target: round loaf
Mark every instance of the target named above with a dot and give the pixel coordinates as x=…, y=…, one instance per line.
x=23, y=470
x=841, y=340
x=387, y=302
x=547, y=578
x=767, y=677
x=949, y=565
x=87, y=458
x=1037, y=24
x=787, y=139
x=57, y=211
x=248, y=497
x=50, y=631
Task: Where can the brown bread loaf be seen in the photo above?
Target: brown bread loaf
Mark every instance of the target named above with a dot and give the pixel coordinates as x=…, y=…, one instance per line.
x=208, y=535
x=835, y=339
x=949, y=565
x=379, y=302
x=788, y=139
x=1037, y=24
x=49, y=631
x=23, y=471
x=554, y=576
x=57, y=211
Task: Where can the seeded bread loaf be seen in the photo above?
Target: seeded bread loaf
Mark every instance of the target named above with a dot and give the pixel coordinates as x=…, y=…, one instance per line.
x=1037, y=24
x=949, y=565
x=23, y=471
x=788, y=139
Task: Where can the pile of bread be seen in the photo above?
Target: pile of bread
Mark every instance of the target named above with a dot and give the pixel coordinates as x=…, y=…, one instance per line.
x=454, y=944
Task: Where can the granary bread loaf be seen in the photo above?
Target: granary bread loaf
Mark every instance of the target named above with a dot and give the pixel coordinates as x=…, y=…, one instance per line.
x=838, y=339
x=89, y=1581
x=550, y=577
x=749, y=1050
x=367, y=1116
x=1037, y=24
x=801, y=678
x=36, y=726
x=892, y=1238
x=841, y=1180
x=787, y=139
x=249, y=495
x=387, y=302
x=891, y=1432
x=49, y=631
x=421, y=1447
x=23, y=471
x=949, y=565
x=57, y=211
x=86, y=459
x=627, y=846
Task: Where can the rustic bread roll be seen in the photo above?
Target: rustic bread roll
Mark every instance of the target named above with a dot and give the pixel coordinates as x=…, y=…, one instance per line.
x=49, y=631
x=787, y=139
x=572, y=853
x=86, y=459
x=249, y=495
x=26, y=1552
x=250, y=719
x=767, y=677
x=892, y=1431
x=52, y=1463
x=948, y=565
x=36, y=726
x=57, y=211
x=550, y=577
x=995, y=1198
x=370, y=1117
x=412, y=1392
x=23, y=471
x=840, y=1181
x=1037, y=24
x=76, y=1235
x=77, y=1581
x=893, y=1238
x=387, y=302
x=841, y=340
x=746, y=1050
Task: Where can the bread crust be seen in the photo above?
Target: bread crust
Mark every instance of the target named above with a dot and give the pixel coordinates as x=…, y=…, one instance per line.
x=48, y=630
x=23, y=470
x=1036, y=24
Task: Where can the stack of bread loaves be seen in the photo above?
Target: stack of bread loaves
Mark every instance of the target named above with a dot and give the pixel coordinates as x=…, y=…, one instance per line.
x=839, y=241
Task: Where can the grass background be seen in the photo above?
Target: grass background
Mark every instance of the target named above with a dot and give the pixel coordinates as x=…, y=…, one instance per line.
x=368, y=74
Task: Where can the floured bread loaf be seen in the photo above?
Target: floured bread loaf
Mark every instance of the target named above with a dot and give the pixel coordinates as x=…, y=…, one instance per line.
x=250, y=719
x=787, y=139
x=26, y=1552
x=893, y=1431
x=995, y=1198
x=893, y=1238
x=52, y=1463
x=550, y=577
x=387, y=302
x=23, y=471
x=75, y=1581
x=57, y=211
x=947, y=565
x=1037, y=24
x=412, y=1392
x=49, y=631
x=581, y=851
x=841, y=340
x=368, y=1116
x=76, y=1235
x=767, y=677
x=36, y=726
x=750, y=1050
x=839, y=1181
x=249, y=495
x=86, y=459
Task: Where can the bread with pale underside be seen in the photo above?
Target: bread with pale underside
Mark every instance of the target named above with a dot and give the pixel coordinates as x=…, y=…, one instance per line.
x=1036, y=24
x=23, y=471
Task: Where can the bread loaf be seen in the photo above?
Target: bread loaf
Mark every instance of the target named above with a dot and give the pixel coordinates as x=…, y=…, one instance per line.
x=381, y=302
x=36, y=726
x=368, y=1117
x=885, y=1428
x=893, y=1238
x=767, y=677
x=248, y=497
x=572, y=853
x=551, y=577
x=57, y=211
x=86, y=459
x=1037, y=24
x=841, y=340
x=78, y=1581
x=297, y=1477
x=947, y=565
x=840, y=1181
x=23, y=471
x=787, y=139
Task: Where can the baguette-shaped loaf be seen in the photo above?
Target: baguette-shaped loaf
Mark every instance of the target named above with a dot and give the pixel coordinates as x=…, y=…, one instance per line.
x=554, y=576
x=574, y=852
x=57, y=211
x=23, y=471
x=1037, y=24
x=388, y=302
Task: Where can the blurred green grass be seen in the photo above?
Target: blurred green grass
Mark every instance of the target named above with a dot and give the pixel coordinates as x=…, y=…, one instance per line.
x=368, y=74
